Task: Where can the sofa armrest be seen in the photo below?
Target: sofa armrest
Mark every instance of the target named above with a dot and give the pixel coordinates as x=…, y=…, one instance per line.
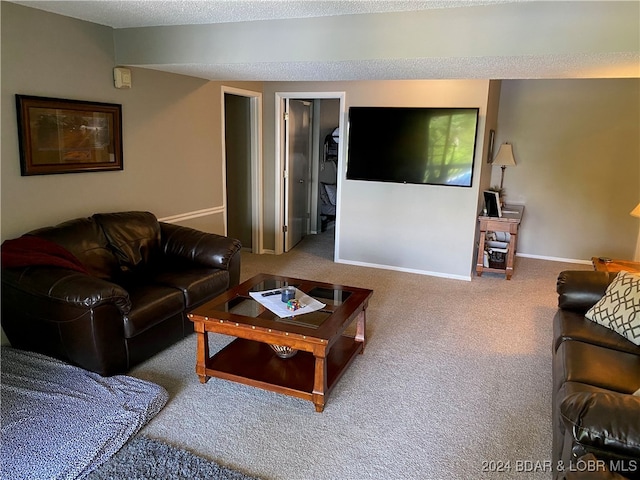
x=604, y=423
x=579, y=290
x=63, y=286
x=208, y=249
x=67, y=315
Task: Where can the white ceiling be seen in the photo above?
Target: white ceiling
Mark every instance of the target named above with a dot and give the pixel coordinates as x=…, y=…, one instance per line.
x=592, y=62
x=148, y=13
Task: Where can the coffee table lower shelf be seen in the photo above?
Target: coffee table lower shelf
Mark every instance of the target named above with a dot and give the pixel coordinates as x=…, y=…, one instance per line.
x=254, y=363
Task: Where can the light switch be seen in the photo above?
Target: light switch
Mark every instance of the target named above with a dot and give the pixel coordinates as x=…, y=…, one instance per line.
x=122, y=77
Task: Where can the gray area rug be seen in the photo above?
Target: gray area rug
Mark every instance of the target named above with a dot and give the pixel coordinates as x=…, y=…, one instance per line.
x=144, y=458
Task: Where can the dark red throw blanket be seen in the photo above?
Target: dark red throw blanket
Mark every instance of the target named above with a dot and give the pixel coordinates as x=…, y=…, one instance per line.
x=29, y=250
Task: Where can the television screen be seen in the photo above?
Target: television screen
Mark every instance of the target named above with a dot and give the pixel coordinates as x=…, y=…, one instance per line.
x=434, y=146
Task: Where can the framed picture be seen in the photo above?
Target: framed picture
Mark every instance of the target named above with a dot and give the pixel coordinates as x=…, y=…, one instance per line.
x=68, y=136
x=492, y=137
x=492, y=203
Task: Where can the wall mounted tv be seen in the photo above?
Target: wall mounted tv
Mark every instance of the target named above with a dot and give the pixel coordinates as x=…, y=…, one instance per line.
x=434, y=146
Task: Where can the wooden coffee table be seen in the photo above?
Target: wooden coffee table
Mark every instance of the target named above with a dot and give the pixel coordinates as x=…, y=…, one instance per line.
x=615, y=265
x=324, y=340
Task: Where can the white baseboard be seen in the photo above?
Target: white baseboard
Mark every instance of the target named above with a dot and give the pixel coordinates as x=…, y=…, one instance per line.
x=455, y=277
x=554, y=259
x=407, y=270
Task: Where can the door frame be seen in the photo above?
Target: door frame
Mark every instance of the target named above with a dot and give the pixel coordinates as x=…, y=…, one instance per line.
x=279, y=156
x=255, y=132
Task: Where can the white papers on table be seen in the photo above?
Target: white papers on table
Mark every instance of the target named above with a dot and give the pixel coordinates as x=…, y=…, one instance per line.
x=276, y=305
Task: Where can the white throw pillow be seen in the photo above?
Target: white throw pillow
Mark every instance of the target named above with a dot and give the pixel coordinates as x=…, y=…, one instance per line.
x=619, y=309
x=637, y=393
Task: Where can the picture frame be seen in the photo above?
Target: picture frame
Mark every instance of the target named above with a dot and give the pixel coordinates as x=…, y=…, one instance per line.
x=492, y=138
x=492, y=203
x=68, y=136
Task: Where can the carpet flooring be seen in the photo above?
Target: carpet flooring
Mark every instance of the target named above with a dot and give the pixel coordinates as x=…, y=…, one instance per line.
x=455, y=378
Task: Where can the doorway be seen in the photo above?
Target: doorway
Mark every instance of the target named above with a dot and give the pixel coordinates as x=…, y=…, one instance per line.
x=288, y=188
x=241, y=141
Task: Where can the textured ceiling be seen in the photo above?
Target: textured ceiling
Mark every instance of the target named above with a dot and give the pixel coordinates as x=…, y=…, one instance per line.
x=147, y=13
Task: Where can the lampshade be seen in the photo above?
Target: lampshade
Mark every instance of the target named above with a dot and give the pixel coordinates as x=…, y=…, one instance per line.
x=636, y=211
x=505, y=155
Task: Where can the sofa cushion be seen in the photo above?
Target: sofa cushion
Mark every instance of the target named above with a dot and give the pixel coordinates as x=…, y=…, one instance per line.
x=151, y=305
x=196, y=284
x=595, y=365
x=570, y=325
x=84, y=238
x=133, y=236
x=619, y=308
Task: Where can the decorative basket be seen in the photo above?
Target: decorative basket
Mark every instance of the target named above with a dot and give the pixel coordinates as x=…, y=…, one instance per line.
x=283, y=352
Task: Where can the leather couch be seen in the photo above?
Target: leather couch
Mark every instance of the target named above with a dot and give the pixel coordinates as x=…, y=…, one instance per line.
x=595, y=373
x=109, y=291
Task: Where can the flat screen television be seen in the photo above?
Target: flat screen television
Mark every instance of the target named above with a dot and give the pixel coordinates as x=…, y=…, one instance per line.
x=433, y=146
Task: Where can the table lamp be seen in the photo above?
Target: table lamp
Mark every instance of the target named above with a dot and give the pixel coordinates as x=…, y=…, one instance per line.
x=636, y=213
x=504, y=159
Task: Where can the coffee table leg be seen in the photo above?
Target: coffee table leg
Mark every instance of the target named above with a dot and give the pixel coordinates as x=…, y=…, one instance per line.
x=361, y=325
x=320, y=383
x=202, y=353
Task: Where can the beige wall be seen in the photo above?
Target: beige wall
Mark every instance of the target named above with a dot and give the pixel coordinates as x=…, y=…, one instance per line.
x=171, y=129
x=577, y=149
x=576, y=144
x=422, y=228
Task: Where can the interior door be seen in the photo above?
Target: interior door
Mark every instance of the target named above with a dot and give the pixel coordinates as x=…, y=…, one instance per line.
x=238, y=168
x=297, y=170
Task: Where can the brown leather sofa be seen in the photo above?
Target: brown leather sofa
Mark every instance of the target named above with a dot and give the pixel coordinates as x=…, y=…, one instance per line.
x=109, y=291
x=595, y=373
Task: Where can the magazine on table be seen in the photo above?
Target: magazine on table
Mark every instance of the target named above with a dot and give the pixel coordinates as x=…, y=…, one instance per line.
x=272, y=299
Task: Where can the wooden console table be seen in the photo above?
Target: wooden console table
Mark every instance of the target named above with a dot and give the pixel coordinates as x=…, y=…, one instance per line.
x=615, y=265
x=509, y=223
